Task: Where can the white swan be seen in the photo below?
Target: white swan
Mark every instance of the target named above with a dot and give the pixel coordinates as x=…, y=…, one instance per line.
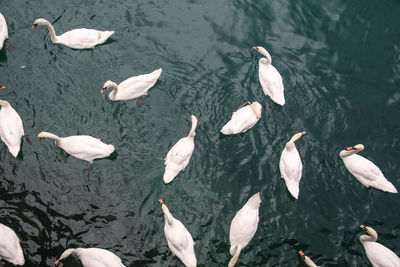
x=133, y=87
x=243, y=119
x=3, y=30
x=243, y=227
x=92, y=257
x=83, y=147
x=269, y=77
x=290, y=165
x=378, y=255
x=78, y=38
x=364, y=170
x=307, y=260
x=11, y=128
x=179, y=155
x=179, y=240
x=10, y=249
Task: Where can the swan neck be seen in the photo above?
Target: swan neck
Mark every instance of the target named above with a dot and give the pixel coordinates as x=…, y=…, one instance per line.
x=290, y=145
x=309, y=262
x=68, y=252
x=168, y=216
x=52, y=32
x=4, y=103
x=49, y=135
x=346, y=153
x=267, y=55
x=192, y=130
x=372, y=237
x=235, y=257
x=114, y=92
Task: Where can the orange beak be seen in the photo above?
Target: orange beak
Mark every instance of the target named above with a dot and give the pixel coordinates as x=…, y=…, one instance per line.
x=255, y=48
x=350, y=148
x=2, y=87
x=363, y=227
x=303, y=133
x=103, y=90
x=301, y=254
x=57, y=262
x=34, y=26
x=161, y=201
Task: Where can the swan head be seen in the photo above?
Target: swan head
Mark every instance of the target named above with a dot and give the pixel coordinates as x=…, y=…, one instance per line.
x=65, y=254
x=306, y=259
x=167, y=213
x=39, y=22
x=256, y=107
x=2, y=87
x=107, y=85
x=358, y=147
x=264, y=52
x=369, y=230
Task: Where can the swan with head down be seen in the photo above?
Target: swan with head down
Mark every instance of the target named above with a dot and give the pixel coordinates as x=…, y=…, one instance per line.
x=78, y=38
x=364, y=170
x=270, y=79
x=92, y=257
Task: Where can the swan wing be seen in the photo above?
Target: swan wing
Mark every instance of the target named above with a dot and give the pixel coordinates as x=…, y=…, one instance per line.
x=379, y=255
x=291, y=168
x=11, y=129
x=96, y=257
x=241, y=121
x=82, y=38
x=10, y=248
x=180, y=242
x=86, y=147
x=271, y=83
x=368, y=173
x=3, y=30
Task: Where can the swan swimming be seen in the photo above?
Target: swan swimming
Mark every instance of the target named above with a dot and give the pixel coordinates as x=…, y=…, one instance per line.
x=378, y=254
x=179, y=155
x=78, y=38
x=269, y=77
x=290, y=165
x=179, y=240
x=83, y=147
x=11, y=127
x=364, y=170
x=243, y=227
x=92, y=257
x=10, y=248
x=243, y=119
x=133, y=87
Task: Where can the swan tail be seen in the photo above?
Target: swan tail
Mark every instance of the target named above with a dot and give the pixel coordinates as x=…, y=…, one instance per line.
x=157, y=73
x=293, y=188
x=110, y=149
x=14, y=150
x=169, y=174
x=389, y=187
x=104, y=35
x=235, y=257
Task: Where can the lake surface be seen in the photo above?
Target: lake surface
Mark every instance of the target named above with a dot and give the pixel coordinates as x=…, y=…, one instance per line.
x=340, y=64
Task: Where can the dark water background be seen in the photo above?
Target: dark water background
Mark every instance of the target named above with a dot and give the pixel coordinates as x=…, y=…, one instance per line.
x=340, y=63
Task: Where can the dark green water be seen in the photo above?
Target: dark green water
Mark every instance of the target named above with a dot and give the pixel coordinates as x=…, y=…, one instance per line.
x=340, y=63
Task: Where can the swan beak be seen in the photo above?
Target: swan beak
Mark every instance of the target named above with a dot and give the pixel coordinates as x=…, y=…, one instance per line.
x=2, y=87
x=303, y=133
x=363, y=227
x=351, y=148
x=103, y=90
x=57, y=262
x=161, y=201
x=301, y=254
x=34, y=26
x=255, y=48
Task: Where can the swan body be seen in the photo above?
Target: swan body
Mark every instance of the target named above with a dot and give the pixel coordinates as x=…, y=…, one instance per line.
x=378, y=255
x=93, y=257
x=78, y=38
x=179, y=240
x=364, y=170
x=270, y=79
x=243, y=119
x=133, y=87
x=243, y=227
x=11, y=128
x=290, y=166
x=83, y=147
x=307, y=260
x=10, y=249
x=179, y=155
x=3, y=30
